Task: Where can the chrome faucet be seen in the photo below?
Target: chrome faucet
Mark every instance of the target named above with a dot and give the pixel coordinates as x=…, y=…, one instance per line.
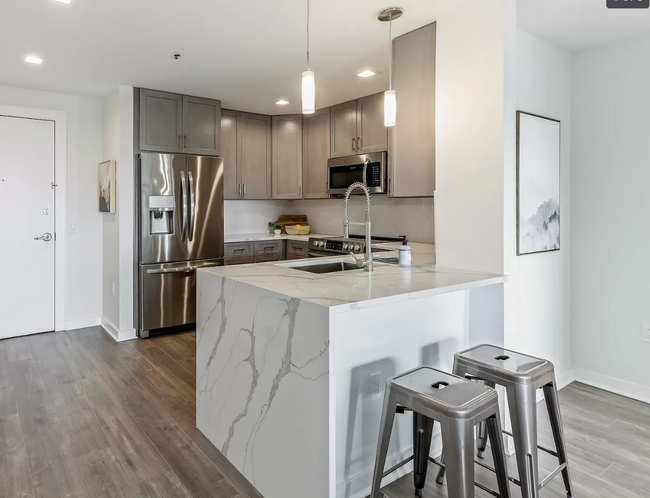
x=361, y=263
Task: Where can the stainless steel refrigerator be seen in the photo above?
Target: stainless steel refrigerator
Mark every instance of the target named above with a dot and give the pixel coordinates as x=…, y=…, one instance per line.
x=180, y=228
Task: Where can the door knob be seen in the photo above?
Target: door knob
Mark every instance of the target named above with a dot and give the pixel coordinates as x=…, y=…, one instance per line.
x=47, y=236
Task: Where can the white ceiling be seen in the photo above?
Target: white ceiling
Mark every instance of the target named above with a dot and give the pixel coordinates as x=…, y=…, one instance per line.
x=248, y=53
x=580, y=24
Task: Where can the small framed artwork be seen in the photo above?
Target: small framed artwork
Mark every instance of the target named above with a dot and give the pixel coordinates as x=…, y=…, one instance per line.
x=538, y=184
x=106, y=183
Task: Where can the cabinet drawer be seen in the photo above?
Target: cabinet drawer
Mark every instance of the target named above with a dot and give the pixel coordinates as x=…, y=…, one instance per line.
x=268, y=248
x=239, y=250
x=265, y=259
x=297, y=248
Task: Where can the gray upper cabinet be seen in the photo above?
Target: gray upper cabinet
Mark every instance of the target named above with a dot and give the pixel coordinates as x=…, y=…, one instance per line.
x=231, y=153
x=161, y=121
x=255, y=148
x=315, y=153
x=344, y=129
x=358, y=127
x=201, y=126
x=287, y=156
x=412, y=141
x=175, y=123
x=372, y=135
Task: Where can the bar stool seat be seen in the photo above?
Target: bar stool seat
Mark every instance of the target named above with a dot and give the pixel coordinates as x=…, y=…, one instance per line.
x=521, y=375
x=458, y=405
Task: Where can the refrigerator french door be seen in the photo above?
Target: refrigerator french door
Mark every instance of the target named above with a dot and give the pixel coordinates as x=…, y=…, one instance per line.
x=180, y=230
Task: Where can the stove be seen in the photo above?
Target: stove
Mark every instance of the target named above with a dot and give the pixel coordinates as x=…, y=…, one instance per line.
x=339, y=246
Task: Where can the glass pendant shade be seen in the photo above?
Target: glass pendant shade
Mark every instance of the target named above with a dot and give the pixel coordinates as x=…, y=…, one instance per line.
x=390, y=108
x=308, y=93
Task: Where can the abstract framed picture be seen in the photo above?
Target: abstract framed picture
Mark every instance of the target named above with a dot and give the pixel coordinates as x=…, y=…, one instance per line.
x=538, y=184
x=106, y=183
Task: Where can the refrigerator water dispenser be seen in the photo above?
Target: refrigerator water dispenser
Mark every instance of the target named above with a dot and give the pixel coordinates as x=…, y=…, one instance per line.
x=161, y=214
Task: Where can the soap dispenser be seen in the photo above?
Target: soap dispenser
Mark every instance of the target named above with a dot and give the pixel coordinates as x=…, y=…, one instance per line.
x=405, y=257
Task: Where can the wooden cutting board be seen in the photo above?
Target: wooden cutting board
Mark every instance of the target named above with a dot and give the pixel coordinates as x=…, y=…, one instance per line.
x=290, y=219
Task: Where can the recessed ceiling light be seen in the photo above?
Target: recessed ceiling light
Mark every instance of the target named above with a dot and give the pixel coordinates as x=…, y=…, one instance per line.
x=282, y=102
x=63, y=1
x=366, y=74
x=32, y=59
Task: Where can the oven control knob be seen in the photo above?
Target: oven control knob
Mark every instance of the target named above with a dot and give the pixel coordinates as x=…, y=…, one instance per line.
x=357, y=247
x=345, y=246
x=321, y=244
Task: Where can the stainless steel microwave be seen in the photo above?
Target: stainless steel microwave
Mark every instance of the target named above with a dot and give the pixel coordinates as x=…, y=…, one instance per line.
x=369, y=169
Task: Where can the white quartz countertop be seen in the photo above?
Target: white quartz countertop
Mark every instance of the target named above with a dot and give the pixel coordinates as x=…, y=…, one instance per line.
x=387, y=283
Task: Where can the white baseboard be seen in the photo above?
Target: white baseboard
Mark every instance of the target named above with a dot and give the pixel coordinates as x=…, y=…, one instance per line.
x=613, y=385
x=82, y=323
x=115, y=333
x=562, y=380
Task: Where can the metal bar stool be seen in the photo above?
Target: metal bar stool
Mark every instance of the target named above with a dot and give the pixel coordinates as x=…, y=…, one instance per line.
x=521, y=375
x=458, y=405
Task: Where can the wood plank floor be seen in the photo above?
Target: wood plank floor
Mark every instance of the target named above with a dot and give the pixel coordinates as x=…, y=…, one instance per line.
x=84, y=417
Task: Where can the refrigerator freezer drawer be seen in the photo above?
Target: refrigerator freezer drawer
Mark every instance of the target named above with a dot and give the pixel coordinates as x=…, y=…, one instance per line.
x=168, y=293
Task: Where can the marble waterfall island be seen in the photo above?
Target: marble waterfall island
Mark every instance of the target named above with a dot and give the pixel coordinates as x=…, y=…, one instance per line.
x=287, y=364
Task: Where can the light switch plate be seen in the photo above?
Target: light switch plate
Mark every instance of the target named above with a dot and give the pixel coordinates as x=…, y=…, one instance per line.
x=376, y=386
x=645, y=331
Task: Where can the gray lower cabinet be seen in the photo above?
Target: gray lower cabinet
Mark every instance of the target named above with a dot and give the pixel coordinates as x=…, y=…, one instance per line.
x=287, y=156
x=201, y=126
x=297, y=249
x=237, y=253
x=412, y=149
x=161, y=121
x=315, y=153
x=255, y=146
x=172, y=123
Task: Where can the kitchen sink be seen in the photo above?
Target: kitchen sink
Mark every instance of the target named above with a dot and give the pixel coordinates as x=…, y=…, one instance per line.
x=327, y=267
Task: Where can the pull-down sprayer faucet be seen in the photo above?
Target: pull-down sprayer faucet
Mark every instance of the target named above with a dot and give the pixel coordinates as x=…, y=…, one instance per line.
x=367, y=263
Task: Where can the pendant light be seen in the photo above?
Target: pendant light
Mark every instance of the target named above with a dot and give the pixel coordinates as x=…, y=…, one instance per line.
x=308, y=83
x=390, y=97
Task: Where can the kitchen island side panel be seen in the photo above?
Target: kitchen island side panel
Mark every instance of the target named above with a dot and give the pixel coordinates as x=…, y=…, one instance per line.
x=372, y=341
x=263, y=385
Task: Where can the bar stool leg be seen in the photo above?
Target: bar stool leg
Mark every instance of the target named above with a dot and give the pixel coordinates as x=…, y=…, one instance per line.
x=422, y=433
x=523, y=414
x=386, y=428
x=458, y=440
x=482, y=436
x=493, y=425
x=553, y=406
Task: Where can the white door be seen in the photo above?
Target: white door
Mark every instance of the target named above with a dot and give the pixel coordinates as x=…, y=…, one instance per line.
x=26, y=212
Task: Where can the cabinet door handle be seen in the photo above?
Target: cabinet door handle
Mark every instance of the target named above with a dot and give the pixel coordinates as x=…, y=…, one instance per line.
x=239, y=190
x=244, y=189
x=180, y=141
x=359, y=143
x=300, y=190
x=186, y=141
x=354, y=145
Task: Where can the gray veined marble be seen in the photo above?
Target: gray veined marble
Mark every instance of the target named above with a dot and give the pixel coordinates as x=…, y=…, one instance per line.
x=257, y=366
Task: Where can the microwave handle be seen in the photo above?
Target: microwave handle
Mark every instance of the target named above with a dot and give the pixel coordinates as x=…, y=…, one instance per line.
x=365, y=171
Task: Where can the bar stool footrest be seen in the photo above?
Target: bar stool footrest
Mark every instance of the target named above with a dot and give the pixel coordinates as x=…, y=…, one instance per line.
x=477, y=484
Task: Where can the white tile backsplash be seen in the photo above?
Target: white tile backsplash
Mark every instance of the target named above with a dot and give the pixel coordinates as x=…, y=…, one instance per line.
x=389, y=216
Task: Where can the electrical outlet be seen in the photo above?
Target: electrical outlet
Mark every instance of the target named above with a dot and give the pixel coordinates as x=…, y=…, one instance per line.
x=645, y=337
x=113, y=289
x=376, y=386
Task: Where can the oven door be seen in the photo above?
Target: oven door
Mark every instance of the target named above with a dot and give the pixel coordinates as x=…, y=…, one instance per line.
x=368, y=169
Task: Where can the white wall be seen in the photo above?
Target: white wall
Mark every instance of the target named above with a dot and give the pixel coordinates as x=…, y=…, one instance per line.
x=537, y=297
x=390, y=217
x=110, y=234
x=472, y=59
x=83, y=263
x=610, y=175
x=117, y=229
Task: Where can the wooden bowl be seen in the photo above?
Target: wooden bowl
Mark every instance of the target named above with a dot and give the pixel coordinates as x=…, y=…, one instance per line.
x=295, y=230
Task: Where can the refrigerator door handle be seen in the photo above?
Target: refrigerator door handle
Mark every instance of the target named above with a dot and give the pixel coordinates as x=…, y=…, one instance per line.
x=192, y=207
x=183, y=207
